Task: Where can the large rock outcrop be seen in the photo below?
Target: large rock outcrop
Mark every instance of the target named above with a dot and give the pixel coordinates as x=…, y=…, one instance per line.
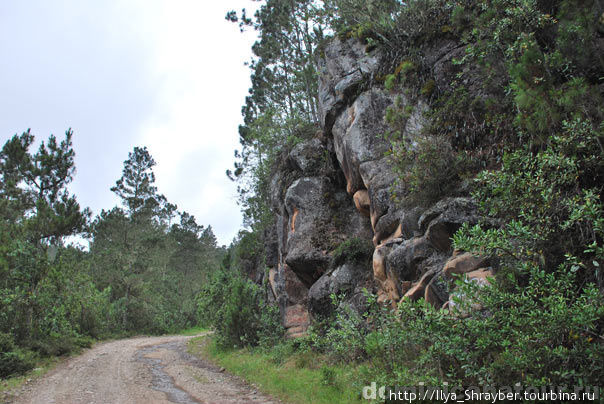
x=340, y=185
x=314, y=215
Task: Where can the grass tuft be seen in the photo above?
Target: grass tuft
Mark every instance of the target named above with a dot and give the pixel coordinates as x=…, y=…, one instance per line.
x=298, y=379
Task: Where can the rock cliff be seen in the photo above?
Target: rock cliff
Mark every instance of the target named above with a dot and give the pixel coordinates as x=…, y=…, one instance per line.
x=340, y=186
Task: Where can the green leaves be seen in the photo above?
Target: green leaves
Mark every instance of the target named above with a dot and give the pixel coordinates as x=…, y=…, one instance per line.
x=136, y=186
x=545, y=311
x=236, y=308
x=354, y=250
x=34, y=191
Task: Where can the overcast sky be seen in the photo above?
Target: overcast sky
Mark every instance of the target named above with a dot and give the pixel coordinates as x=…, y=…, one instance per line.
x=166, y=74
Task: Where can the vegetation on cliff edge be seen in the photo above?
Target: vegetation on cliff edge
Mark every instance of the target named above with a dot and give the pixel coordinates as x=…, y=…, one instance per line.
x=520, y=122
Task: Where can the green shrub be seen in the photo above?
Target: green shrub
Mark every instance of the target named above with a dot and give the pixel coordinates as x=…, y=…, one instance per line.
x=544, y=199
x=541, y=333
x=14, y=360
x=236, y=308
x=428, y=169
x=428, y=88
x=542, y=101
x=390, y=82
x=270, y=330
x=54, y=345
x=281, y=350
x=354, y=251
x=544, y=331
x=83, y=341
x=328, y=376
x=341, y=335
x=344, y=341
x=542, y=320
x=7, y=343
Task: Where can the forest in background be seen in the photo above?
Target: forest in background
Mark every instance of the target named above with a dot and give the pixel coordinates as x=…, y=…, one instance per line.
x=141, y=273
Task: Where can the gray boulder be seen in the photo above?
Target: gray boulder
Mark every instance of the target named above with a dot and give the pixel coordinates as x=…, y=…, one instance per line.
x=343, y=68
x=320, y=217
x=358, y=135
x=442, y=220
x=348, y=279
x=413, y=258
x=310, y=156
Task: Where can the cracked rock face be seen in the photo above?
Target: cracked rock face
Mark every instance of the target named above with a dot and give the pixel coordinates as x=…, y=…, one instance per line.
x=303, y=201
x=309, y=156
x=314, y=215
x=349, y=279
x=442, y=220
x=342, y=71
x=412, y=243
x=358, y=135
x=292, y=298
x=320, y=218
x=360, y=143
x=341, y=185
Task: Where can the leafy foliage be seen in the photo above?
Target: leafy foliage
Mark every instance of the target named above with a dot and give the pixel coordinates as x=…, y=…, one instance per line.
x=354, y=250
x=549, y=201
x=13, y=360
x=543, y=333
x=236, y=308
x=140, y=275
x=521, y=113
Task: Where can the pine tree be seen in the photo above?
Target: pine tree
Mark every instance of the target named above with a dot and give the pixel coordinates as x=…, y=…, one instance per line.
x=282, y=105
x=36, y=213
x=34, y=188
x=137, y=187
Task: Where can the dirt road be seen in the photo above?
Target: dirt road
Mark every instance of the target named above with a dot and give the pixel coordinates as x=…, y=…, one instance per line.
x=146, y=370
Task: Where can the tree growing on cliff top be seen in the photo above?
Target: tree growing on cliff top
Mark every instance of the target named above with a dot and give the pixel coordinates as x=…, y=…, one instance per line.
x=283, y=95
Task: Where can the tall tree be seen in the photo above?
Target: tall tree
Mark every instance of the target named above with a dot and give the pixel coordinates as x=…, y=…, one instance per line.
x=152, y=267
x=36, y=213
x=124, y=240
x=34, y=188
x=136, y=187
x=283, y=98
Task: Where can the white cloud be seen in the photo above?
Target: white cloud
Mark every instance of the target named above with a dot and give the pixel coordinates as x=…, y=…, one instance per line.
x=166, y=74
x=197, y=60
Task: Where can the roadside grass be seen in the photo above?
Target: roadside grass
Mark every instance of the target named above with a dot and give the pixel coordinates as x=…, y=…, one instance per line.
x=192, y=331
x=56, y=352
x=294, y=377
x=43, y=366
